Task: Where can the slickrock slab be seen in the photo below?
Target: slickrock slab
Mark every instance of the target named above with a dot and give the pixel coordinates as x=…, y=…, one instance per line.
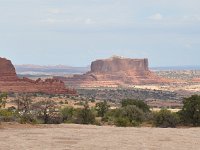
x=87, y=137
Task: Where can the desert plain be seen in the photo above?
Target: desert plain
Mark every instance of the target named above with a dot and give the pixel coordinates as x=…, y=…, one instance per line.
x=88, y=137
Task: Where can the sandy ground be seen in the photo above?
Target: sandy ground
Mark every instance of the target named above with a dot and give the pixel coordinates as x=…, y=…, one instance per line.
x=80, y=137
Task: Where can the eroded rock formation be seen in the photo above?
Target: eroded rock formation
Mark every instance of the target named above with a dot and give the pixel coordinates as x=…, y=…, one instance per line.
x=7, y=70
x=195, y=80
x=9, y=82
x=115, y=72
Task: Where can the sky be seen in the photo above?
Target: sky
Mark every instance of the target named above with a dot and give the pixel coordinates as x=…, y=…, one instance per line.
x=76, y=32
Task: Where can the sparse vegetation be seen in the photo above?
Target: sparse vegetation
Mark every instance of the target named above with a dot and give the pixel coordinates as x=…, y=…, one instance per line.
x=85, y=115
x=46, y=111
x=129, y=116
x=3, y=98
x=165, y=118
x=131, y=112
x=190, y=113
x=7, y=115
x=102, y=108
x=139, y=103
x=68, y=114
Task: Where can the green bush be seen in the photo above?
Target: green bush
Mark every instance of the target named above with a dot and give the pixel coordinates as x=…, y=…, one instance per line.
x=134, y=114
x=28, y=118
x=125, y=116
x=67, y=114
x=80, y=103
x=102, y=108
x=6, y=115
x=190, y=113
x=45, y=111
x=85, y=115
x=55, y=118
x=165, y=118
x=3, y=98
x=110, y=116
x=122, y=122
x=92, y=100
x=139, y=103
x=61, y=102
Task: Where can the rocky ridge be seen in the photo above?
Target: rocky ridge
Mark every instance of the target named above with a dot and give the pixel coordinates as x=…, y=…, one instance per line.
x=9, y=82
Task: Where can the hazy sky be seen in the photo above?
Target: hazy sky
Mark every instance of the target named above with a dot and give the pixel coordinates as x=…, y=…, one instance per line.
x=75, y=32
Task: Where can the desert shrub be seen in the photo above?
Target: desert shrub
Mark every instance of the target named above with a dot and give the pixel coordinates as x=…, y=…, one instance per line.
x=12, y=109
x=55, y=118
x=67, y=114
x=45, y=110
x=7, y=115
x=5, y=112
x=190, y=113
x=3, y=98
x=110, y=116
x=134, y=114
x=24, y=102
x=61, y=102
x=139, y=103
x=92, y=100
x=102, y=108
x=80, y=103
x=122, y=122
x=125, y=116
x=28, y=118
x=98, y=122
x=149, y=118
x=85, y=115
x=165, y=118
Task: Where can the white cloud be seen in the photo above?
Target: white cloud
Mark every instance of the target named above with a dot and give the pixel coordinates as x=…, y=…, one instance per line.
x=156, y=17
x=68, y=21
x=188, y=45
x=89, y=21
x=55, y=11
x=191, y=18
x=51, y=21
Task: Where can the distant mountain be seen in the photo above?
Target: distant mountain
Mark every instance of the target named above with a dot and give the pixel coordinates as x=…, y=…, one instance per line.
x=60, y=70
x=175, y=68
x=49, y=70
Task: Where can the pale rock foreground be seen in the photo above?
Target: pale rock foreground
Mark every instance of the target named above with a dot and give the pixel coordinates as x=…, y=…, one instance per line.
x=83, y=137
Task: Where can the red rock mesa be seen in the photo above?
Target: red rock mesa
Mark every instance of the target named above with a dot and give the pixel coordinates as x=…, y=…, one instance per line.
x=9, y=82
x=115, y=72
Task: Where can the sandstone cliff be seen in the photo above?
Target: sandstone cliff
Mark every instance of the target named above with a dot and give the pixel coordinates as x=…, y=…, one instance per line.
x=7, y=70
x=114, y=72
x=9, y=82
x=116, y=64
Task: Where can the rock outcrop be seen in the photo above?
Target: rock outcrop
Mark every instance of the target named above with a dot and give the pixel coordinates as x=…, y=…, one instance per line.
x=9, y=82
x=7, y=70
x=116, y=64
x=195, y=80
x=115, y=72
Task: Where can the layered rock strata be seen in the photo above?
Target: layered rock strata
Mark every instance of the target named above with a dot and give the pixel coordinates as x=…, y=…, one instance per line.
x=9, y=82
x=195, y=80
